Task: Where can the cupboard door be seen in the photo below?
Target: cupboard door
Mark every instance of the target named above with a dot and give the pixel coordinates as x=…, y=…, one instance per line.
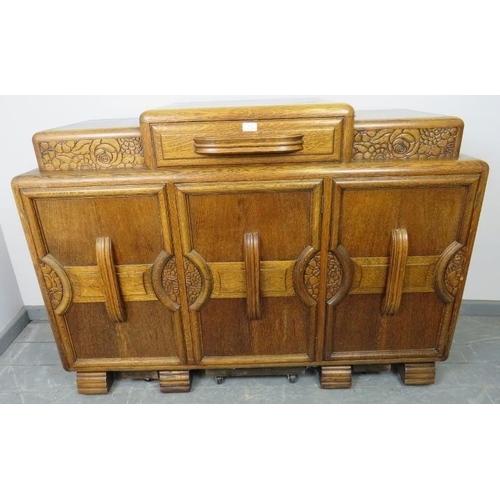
x=408, y=241
x=100, y=254
x=246, y=247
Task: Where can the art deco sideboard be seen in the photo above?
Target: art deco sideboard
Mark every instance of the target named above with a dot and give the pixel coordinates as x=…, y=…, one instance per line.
x=252, y=238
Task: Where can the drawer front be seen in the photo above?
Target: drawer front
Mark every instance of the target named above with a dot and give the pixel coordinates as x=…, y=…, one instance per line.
x=229, y=136
x=288, y=140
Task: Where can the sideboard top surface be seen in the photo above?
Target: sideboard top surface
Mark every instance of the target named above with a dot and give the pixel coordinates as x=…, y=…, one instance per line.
x=358, y=136
x=118, y=124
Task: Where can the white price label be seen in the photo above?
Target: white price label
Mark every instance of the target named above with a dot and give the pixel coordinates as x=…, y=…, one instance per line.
x=250, y=127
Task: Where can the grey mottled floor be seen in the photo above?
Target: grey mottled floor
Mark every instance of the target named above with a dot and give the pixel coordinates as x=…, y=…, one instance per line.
x=30, y=372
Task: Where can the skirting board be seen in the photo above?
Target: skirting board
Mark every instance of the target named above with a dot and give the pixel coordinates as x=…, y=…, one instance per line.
x=37, y=313
x=13, y=329
x=469, y=308
x=480, y=308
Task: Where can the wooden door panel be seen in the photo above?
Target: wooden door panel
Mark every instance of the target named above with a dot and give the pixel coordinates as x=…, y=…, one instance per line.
x=143, y=335
x=398, y=303
x=105, y=302
x=284, y=328
x=360, y=325
x=431, y=217
x=285, y=219
x=218, y=223
x=72, y=225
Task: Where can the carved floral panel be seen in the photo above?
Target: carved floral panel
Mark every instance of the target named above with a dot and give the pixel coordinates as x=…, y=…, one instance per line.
x=92, y=154
x=170, y=281
x=454, y=275
x=312, y=276
x=411, y=143
x=53, y=284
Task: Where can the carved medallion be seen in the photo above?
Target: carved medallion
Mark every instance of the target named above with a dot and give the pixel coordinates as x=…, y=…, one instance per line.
x=170, y=280
x=193, y=281
x=334, y=278
x=57, y=284
x=53, y=284
x=454, y=275
x=449, y=274
x=390, y=144
x=312, y=276
x=166, y=281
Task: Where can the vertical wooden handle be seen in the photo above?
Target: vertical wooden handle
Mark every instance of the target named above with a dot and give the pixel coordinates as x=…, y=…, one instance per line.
x=397, y=268
x=106, y=265
x=252, y=265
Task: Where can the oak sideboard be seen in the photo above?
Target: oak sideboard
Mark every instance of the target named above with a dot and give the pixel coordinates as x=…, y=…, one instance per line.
x=257, y=239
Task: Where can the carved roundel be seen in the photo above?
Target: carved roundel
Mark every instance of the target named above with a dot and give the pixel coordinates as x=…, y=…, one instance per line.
x=170, y=280
x=166, y=285
x=307, y=275
x=312, y=276
x=193, y=281
x=450, y=272
x=53, y=285
x=334, y=277
x=57, y=284
x=454, y=274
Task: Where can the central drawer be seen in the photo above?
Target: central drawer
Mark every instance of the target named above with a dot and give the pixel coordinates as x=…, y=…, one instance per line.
x=184, y=139
x=290, y=138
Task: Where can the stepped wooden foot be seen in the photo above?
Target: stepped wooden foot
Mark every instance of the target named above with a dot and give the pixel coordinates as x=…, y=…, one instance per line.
x=336, y=377
x=94, y=382
x=175, y=381
x=418, y=373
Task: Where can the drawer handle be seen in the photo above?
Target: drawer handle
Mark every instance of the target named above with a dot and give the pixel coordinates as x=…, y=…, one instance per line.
x=252, y=265
x=396, y=275
x=106, y=265
x=253, y=144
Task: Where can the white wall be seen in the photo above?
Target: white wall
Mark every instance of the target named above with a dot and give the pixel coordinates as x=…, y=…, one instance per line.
x=22, y=116
x=10, y=298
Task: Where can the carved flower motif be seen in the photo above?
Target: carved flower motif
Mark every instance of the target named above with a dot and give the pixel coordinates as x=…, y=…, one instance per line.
x=193, y=281
x=131, y=146
x=106, y=153
x=378, y=152
x=170, y=281
x=372, y=145
x=454, y=276
x=88, y=154
x=53, y=284
x=387, y=144
x=82, y=162
x=334, y=280
x=438, y=142
x=404, y=143
x=312, y=276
